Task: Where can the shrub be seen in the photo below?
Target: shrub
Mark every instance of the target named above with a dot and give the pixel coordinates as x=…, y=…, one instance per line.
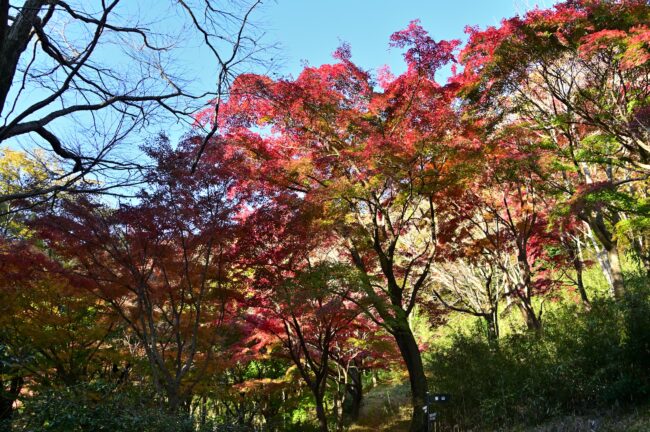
x=97, y=407
x=582, y=361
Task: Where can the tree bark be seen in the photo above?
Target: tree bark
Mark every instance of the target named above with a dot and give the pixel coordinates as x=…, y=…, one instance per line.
x=492, y=323
x=577, y=264
x=356, y=391
x=411, y=354
x=610, y=245
x=8, y=397
x=320, y=412
x=574, y=249
x=525, y=291
x=14, y=41
x=175, y=400
x=528, y=313
x=617, y=272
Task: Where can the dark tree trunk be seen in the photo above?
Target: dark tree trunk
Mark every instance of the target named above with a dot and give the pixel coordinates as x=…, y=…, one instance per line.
x=356, y=392
x=14, y=41
x=320, y=412
x=528, y=313
x=398, y=325
x=175, y=400
x=411, y=354
x=573, y=248
x=525, y=291
x=577, y=264
x=8, y=397
x=204, y=412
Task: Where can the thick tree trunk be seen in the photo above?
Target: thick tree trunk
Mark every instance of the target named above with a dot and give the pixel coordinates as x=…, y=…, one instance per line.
x=320, y=412
x=618, y=285
x=398, y=324
x=8, y=397
x=530, y=317
x=176, y=402
x=356, y=391
x=525, y=290
x=13, y=43
x=610, y=259
x=411, y=354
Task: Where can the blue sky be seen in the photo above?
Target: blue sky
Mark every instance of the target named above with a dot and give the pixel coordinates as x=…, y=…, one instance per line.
x=312, y=29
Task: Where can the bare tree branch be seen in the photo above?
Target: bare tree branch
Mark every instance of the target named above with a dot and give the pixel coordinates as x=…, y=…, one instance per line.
x=97, y=70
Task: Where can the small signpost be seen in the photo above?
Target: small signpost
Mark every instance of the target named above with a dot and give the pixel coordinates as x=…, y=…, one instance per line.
x=432, y=416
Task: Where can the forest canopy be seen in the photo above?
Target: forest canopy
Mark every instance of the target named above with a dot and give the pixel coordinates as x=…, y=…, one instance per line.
x=476, y=226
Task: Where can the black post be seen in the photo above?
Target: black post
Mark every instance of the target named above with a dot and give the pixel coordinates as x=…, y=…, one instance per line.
x=426, y=416
x=426, y=413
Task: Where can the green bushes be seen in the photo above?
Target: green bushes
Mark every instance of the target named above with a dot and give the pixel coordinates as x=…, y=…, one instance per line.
x=96, y=407
x=583, y=361
x=100, y=406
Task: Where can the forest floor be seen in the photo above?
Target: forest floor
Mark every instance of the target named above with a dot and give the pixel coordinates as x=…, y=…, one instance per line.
x=385, y=408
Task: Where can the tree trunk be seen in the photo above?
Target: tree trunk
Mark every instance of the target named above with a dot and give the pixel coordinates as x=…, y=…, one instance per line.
x=339, y=400
x=580, y=284
x=525, y=290
x=411, y=354
x=320, y=412
x=530, y=317
x=492, y=323
x=610, y=259
x=618, y=285
x=13, y=44
x=8, y=397
x=174, y=400
x=204, y=412
x=356, y=391
x=575, y=253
